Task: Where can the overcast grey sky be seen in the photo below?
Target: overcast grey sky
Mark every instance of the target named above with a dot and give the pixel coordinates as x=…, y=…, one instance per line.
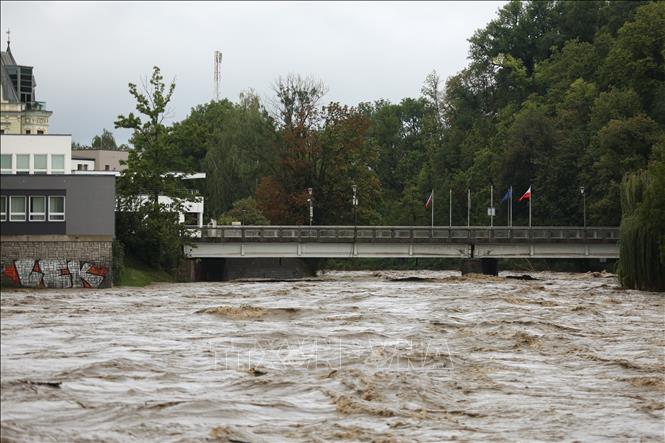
x=84, y=54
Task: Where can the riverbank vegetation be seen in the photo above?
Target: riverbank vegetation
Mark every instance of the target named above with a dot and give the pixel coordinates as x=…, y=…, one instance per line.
x=643, y=226
x=556, y=96
x=135, y=273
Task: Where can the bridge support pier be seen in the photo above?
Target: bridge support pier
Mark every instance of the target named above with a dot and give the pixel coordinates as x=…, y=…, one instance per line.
x=485, y=266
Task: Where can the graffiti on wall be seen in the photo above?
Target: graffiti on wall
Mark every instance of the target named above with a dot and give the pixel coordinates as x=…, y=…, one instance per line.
x=55, y=273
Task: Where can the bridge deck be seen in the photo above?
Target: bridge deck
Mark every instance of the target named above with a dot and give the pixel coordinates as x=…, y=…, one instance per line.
x=403, y=241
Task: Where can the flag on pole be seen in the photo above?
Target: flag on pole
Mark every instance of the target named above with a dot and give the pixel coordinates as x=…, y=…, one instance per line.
x=508, y=195
x=526, y=196
x=429, y=199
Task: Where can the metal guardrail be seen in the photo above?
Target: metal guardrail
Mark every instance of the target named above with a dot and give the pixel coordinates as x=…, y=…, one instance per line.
x=405, y=234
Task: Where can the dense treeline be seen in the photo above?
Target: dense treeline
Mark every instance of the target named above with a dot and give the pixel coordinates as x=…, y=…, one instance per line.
x=557, y=96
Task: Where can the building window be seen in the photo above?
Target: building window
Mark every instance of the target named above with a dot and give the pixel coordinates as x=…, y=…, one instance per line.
x=37, y=208
x=17, y=208
x=40, y=132
x=40, y=163
x=6, y=163
x=3, y=208
x=58, y=164
x=2, y=131
x=56, y=208
x=107, y=167
x=27, y=131
x=23, y=163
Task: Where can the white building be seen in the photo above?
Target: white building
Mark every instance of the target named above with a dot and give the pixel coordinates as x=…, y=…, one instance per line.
x=35, y=154
x=82, y=164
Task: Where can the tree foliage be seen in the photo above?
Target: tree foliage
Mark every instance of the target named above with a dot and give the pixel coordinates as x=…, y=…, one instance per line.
x=642, y=264
x=244, y=211
x=104, y=141
x=149, y=192
x=556, y=95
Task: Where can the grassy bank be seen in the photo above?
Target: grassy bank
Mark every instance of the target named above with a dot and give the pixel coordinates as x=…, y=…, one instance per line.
x=138, y=274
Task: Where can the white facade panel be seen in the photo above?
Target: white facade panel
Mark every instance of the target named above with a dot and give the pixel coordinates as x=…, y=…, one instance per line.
x=57, y=148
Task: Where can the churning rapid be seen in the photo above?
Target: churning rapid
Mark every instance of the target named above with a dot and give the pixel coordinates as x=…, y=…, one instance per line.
x=389, y=356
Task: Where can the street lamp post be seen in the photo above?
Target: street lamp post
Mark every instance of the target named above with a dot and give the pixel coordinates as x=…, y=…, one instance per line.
x=355, y=210
x=310, y=201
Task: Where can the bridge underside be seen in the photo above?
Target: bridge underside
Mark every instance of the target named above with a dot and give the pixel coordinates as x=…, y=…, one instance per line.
x=404, y=250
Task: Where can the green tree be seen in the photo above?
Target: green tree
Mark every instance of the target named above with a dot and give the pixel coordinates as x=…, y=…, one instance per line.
x=637, y=58
x=104, y=141
x=246, y=212
x=234, y=144
x=150, y=192
x=642, y=263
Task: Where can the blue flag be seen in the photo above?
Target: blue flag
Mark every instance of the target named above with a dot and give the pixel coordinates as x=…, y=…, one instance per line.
x=508, y=195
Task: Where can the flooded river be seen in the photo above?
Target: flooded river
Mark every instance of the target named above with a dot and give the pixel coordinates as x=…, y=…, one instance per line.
x=358, y=356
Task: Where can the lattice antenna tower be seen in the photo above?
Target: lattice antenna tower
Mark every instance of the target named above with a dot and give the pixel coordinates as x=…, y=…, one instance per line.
x=217, y=75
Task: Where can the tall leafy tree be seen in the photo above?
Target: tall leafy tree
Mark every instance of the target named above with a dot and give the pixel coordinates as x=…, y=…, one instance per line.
x=233, y=143
x=149, y=226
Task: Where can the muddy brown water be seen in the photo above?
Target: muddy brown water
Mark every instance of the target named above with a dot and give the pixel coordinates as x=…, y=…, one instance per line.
x=343, y=357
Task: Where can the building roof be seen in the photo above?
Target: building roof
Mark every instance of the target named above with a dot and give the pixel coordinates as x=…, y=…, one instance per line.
x=7, y=57
x=8, y=91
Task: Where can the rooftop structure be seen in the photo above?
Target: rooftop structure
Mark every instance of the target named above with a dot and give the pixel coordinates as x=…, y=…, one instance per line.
x=20, y=112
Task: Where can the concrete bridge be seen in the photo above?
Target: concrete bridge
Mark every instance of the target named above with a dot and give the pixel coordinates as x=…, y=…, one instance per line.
x=403, y=241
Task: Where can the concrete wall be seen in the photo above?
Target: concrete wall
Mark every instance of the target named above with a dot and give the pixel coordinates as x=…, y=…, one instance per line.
x=103, y=157
x=86, y=165
x=76, y=253
x=56, y=262
x=89, y=203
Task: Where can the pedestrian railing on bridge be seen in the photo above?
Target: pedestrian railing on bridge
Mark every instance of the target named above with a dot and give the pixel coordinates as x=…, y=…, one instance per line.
x=405, y=234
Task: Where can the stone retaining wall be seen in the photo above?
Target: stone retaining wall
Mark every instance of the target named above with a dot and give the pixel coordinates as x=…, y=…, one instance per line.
x=57, y=263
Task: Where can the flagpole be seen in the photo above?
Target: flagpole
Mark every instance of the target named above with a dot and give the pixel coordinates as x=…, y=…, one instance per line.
x=432, y=208
x=530, y=198
x=509, y=205
x=450, y=209
x=510, y=213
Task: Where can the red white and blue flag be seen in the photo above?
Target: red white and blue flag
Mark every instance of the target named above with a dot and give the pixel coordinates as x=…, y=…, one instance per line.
x=526, y=196
x=429, y=199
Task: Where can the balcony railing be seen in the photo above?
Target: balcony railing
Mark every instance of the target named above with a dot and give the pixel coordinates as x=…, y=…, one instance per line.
x=35, y=106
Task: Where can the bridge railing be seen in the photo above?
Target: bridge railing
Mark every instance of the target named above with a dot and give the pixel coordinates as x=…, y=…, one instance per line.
x=406, y=234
